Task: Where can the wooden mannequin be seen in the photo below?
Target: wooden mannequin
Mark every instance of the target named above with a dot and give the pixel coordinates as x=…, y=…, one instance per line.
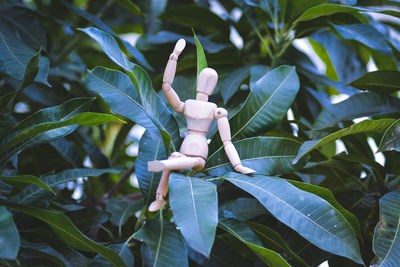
x=199, y=114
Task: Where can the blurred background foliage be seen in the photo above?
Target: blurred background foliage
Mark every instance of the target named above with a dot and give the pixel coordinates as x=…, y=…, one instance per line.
x=311, y=87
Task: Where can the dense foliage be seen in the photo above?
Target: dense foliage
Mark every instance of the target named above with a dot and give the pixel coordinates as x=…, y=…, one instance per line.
x=76, y=93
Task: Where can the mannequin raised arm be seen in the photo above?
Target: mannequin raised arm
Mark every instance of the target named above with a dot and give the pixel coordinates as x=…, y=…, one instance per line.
x=169, y=75
x=230, y=150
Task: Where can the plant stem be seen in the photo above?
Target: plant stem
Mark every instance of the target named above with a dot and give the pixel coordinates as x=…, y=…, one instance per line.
x=117, y=186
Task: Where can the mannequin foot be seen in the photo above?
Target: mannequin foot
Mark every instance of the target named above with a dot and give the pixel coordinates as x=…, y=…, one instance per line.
x=157, y=205
x=155, y=166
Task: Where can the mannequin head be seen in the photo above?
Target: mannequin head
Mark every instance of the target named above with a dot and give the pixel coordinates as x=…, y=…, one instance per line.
x=206, y=83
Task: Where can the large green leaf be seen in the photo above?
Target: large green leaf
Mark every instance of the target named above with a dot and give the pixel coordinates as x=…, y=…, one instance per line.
x=328, y=196
x=391, y=138
x=29, y=179
x=83, y=119
x=15, y=54
x=242, y=208
x=45, y=251
x=9, y=236
x=231, y=82
x=194, y=203
x=365, y=34
x=155, y=108
x=31, y=193
x=309, y=215
x=274, y=240
x=165, y=243
x=201, y=59
x=122, y=209
x=383, y=82
x=117, y=90
x=359, y=105
x=265, y=155
x=123, y=251
x=242, y=232
x=67, y=232
x=386, y=242
x=361, y=127
x=150, y=148
x=267, y=103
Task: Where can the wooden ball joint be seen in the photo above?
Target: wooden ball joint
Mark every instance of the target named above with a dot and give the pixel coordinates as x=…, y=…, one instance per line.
x=199, y=114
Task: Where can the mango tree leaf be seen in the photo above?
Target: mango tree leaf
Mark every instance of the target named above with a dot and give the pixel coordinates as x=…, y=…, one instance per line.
x=365, y=34
x=359, y=105
x=29, y=179
x=150, y=148
x=9, y=236
x=100, y=24
x=309, y=215
x=122, y=250
x=165, y=243
x=201, y=59
x=386, y=241
x=194, y=203
x=293, y=9
x=242, y=208
x=265, y=155
x=16, y=54
x=83, y=119
x=31, y=193
x=274, y=240
x=232, y=81
x=117, y=90
x=121, y=209
x=266, y=105
x=383, y=81
x=361, y=127
x=391, y=138
x=242, y=232
x=45, y=251
x=328, y=196
x=155, y=108
x=31, y=70
x=67, y=232
x=129, y=6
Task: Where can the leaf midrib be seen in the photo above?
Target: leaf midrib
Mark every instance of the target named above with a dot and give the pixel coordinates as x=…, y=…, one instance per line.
x=248, y=159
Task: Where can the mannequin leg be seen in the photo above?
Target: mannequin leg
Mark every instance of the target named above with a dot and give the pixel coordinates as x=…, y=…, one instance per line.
x=176, y=161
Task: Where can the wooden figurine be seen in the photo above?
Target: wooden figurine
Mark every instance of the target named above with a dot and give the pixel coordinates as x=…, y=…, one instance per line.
x=199, y=114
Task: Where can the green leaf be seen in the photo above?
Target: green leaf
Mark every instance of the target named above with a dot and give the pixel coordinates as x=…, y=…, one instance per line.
x=328, y=196
x=386, y=241
x=242, y=208
x=129, y=6
x=230, y=84
x=30, y=179
x=150, y=148
x=356, y=106
x=117, y=90
x=365, y=34
x=83, y=119
x=47, y=115
x=165, y=243
x=361, y=127
x=122, y=209
x=123, y=251
x=67, y=232
x=242, y=232
x=309, y=215
x=201, y=58
x=194, y=203
x=265, y=155
x=15, y=54
x=31, y=193
x=9, y=236
x=391, y=138
x=267, y=103
x=155, y=108
x=31, y=70
x=274, y=240
x=45, y=251
x=383, y=82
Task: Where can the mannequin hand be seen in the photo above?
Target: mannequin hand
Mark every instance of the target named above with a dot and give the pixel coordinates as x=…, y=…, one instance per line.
x=180, y=45
x=240, y=168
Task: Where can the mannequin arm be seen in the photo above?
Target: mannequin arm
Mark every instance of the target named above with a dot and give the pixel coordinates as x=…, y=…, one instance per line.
x=169, y=75
x=230, y=150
